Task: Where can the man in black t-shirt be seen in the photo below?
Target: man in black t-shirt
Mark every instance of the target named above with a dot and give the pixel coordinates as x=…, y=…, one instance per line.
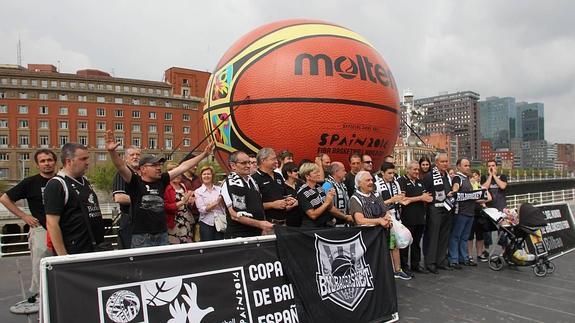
x=119, y=192
x=146, y=192
x=73, y=215
x=413, y=216
x=496, y=185
x=245, y=209
x=31, y=188
x=354, y=168
x=271, y=187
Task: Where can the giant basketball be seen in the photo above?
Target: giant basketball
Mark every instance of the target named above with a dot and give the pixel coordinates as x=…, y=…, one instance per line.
x=307, y=86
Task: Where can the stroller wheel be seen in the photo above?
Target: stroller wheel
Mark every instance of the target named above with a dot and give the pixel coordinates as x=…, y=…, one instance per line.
x=550, y=267
x=496, y=263
x=540, y=270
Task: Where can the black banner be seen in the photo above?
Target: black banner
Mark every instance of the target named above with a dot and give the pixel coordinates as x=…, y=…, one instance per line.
x=234, y=283
x=341, y=274
x=559, y=234
x=231, y=281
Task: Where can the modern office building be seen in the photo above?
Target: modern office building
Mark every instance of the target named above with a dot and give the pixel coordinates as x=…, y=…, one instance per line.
x=43, y=108
x=458, y=111
x=531, y=121
x=535, y=154
x=498, y=121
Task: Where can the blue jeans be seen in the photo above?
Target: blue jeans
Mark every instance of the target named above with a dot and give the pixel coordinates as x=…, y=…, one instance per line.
x=458, y=238
x=141, y=240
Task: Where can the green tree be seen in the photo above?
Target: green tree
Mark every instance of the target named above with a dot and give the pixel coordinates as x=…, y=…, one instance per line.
x=102, y=176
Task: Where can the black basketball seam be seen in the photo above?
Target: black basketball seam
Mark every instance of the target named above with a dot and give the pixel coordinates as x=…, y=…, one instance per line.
x=275, y=30
x=304, y=99
x=231, y=93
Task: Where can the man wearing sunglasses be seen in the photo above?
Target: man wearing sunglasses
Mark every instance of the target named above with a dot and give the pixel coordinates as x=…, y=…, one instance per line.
x=367, y=163
x=241, y=194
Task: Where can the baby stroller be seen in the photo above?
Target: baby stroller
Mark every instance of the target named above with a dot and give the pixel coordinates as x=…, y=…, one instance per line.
x=525, y=245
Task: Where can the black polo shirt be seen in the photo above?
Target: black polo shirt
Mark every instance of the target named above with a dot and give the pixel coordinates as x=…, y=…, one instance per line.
x=271, y=189
x=413, y=213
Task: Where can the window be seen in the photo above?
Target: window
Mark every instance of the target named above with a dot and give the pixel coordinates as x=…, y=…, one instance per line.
x=83, y=140
x=185, y=93
x=185, y=105
x=118, y=113
x=136, y=114
x=43, y=110
x=158, y=91
x=117, y=88
x=152, y=128
x=23, y=109
x=101, y=156
x=186, y=117
x=44, y=124
x=100, y=126
x=118, y=100
x=153, y=103
x=82, y=112
x=100, y=112
x=3, y=109
x=43, y=96
x=168, y=128
x=73, y=85
x=4, y=156
x=120, y=140
x=166, y=93
x=101, y=142
x=24, y=156
x=136, y=142
x=63, y=140
x=82, y=85
x=100, y=99
x=34, y=82
x=63, y=124
x=136, y=101
x=168, y=104
x=23, y=141
x=126, y=88
x=22, y=123
x=63, y=97
x=91, y=86
x=3, y=123
x=22, y=95
x=136, y=127
x=186, y=130
x=44, y=83
x=134, y=89
x=168, y=116
x=109, y=87
x=82, y=98
x=82, y=125
x=44, y=141
x=119, y=126
x=24, y=82
x=3, y=141
x=2, y=95
x=168, y=144
x=186, y=142
x=152, y=143
x=14, y=81
x=4, y=173
x=63, y=111
x=152, y=115
x=53, y=83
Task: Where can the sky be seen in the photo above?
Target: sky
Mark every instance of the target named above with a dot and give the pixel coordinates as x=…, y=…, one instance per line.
x=523, y=49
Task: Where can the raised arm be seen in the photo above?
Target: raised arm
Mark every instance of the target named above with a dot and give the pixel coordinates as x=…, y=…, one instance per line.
x=120, y=165
x=188, y=164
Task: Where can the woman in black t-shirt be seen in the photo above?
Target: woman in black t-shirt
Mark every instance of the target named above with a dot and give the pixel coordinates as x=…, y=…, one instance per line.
x=314, y=202
x=292, y=184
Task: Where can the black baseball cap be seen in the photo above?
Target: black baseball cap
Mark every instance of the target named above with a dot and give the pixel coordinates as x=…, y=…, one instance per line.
x=151, y=159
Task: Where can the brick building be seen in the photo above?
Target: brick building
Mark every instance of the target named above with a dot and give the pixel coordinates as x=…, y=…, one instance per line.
x=42, y=108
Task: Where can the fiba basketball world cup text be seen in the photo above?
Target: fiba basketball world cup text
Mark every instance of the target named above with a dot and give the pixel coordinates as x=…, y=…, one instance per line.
x=346, y=67
x=329, y=284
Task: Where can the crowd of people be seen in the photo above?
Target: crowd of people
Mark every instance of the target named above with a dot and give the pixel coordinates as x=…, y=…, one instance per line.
x=178, y=203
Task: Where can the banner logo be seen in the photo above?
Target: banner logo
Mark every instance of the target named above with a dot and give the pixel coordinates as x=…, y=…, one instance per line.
x=122, y=306
x=343, y=275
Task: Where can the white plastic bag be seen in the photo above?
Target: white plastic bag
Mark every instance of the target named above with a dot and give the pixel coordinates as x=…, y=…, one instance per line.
x=403, y=237
x=220, y=221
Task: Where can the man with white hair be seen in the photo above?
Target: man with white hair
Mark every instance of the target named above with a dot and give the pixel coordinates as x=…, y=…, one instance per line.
x=335, y=179
x=413, y=216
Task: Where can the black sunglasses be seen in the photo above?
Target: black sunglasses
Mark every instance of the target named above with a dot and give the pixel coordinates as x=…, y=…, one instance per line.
x=368, y=162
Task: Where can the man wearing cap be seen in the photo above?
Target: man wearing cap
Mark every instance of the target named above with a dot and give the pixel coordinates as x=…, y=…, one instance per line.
x=146, y=191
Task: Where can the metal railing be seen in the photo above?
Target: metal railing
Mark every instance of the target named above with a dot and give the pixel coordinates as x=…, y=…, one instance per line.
x=20, y=245
x=537, y=177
